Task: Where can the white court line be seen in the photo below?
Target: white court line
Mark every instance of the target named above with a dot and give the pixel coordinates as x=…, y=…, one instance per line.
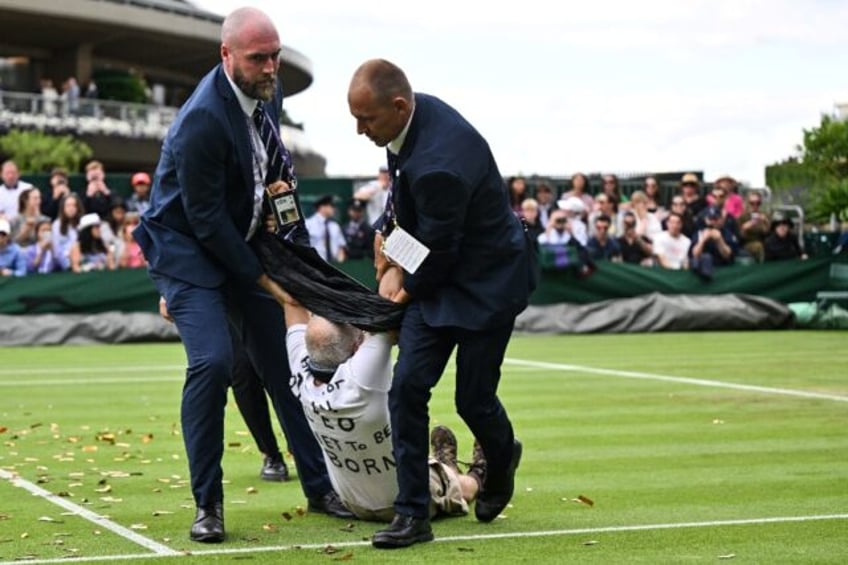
x=95, y=381
x=86, y=370
x=86, y=514
x=674, y=379
x=449, y=539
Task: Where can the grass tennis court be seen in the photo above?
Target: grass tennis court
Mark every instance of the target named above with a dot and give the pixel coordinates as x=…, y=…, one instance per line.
x=693, y=448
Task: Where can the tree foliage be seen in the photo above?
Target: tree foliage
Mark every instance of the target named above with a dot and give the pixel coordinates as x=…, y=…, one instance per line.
x=817, y=177
x=39, y=152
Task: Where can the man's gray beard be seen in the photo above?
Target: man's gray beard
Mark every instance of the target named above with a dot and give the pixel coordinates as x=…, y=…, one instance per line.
x=252, y=89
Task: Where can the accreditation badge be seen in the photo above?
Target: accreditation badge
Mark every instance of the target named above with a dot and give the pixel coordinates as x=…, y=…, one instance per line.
x=403, y=249
x=284, y=206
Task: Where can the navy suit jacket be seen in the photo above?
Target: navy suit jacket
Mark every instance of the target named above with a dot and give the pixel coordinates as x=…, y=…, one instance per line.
x=449, y=194
x=201, y=203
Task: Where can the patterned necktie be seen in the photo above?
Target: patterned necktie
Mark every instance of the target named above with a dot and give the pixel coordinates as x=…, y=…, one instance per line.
x=279, y=159
x=388, y=218
x=327, y=248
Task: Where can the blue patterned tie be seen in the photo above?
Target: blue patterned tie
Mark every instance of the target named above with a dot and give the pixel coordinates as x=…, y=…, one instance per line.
x=388, y=219
x=279, y=159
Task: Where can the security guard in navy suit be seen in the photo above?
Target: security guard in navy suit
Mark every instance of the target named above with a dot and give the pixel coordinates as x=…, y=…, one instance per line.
x=447, y=198
x=205, y=207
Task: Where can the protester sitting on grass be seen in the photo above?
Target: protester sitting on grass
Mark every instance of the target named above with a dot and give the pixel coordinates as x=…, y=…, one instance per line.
x=342, y=377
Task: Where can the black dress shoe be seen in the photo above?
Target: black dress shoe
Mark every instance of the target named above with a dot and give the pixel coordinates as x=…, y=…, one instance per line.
x=208, y=524
x=403, y=532
x=496, y=493
x=274, y=469
x=330, y=504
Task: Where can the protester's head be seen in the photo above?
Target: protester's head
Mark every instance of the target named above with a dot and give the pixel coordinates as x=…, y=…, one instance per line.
x=329, y=344
x=250, y=51
x=380, y=99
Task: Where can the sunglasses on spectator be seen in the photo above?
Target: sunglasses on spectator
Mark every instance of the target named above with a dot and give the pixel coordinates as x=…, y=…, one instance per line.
x=754, y=202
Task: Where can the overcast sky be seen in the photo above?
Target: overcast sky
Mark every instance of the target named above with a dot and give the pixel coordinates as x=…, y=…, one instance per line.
x=723, y=86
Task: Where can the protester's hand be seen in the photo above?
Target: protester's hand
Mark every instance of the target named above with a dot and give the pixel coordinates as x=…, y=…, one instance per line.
x=391, y=283
x=281, y=296
x=381, y=262
x=163, y=310
x=278, y=187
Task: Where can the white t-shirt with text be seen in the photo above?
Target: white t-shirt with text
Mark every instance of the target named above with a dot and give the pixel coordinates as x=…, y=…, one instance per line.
x=349, y=417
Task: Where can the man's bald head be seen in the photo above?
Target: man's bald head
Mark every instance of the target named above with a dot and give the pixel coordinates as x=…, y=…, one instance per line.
x=381, y=100
x=244, y=24
x=250, y=52
x=383, y=79
x=329, y=344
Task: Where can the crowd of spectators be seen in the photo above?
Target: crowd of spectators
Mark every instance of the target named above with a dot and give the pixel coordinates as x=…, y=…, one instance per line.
x=691, y=229
x=59, y=230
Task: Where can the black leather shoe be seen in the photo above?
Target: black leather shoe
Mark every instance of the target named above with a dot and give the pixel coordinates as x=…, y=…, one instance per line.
x=497, y=493
x=274, y=469
x=403, y=532
x=208, y=524
x=330, y=504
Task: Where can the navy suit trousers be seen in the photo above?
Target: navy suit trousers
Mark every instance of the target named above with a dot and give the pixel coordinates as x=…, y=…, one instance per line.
x=202, y=316
x=423, y=354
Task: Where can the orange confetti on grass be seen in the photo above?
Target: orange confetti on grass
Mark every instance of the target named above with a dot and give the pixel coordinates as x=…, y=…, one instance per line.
x=584, y=500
